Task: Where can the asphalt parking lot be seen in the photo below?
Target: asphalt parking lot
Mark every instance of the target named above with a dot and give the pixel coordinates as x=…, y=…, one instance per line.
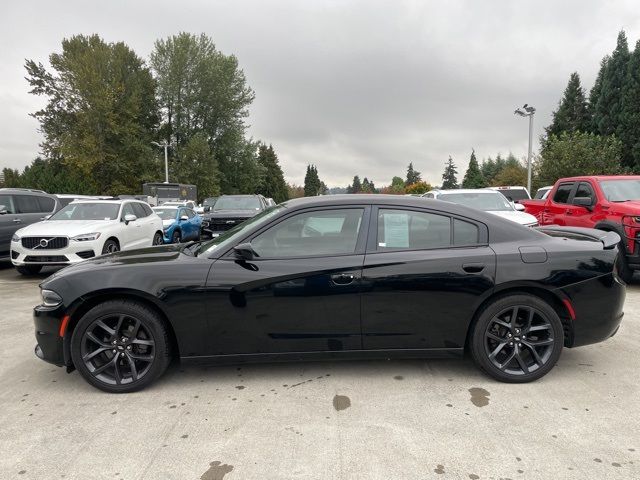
x=326, y=420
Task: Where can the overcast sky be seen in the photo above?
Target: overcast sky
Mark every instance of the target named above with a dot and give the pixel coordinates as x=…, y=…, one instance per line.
x=360, y=87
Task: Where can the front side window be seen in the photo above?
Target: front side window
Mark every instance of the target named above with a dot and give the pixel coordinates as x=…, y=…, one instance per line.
x=127, y=209
x=584, y=190
x=411, y=230
x=6, y=204
x=138, y=210
x=325, y=232
x=563, y=192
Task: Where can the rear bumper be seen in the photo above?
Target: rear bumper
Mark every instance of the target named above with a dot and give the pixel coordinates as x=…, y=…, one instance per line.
x=50, y=345
x=598, y=305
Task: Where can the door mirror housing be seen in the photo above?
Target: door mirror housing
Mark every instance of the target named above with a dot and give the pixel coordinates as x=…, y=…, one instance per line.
x=585, y=202
x=519, y=207
x=245, y=251
x=184, y=217
x=129, y=218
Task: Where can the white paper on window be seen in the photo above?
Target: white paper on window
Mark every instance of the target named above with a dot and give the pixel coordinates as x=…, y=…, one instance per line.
x=396, y=230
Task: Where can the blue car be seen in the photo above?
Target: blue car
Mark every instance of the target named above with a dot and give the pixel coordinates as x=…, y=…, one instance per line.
x=179, y=224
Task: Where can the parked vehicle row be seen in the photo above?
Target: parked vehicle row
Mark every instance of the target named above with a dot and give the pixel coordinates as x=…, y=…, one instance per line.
x=345, y=276
x=179, y=223
x=231, y=210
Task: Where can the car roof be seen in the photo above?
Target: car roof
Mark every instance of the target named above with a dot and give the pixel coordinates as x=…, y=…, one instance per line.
x=23, y=190
x=464, y=190
x=602, y=177
x=112, y=201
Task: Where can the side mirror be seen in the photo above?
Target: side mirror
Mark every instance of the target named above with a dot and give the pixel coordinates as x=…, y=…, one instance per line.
x=129, y=218
x=47, y=217
x=245, y=251
x=585, y=202
x=519, y=207
x=184, y=217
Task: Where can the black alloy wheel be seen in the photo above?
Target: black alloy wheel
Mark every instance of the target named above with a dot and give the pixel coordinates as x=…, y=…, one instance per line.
x=120, y=346
x=110, y=246
x=176, y=237
x=158, y=239
x=517, y=339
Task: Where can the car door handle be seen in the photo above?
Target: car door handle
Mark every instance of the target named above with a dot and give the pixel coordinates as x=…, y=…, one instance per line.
x=568, y=212
x=343, y=279
x=473, y=267
x=17, y=220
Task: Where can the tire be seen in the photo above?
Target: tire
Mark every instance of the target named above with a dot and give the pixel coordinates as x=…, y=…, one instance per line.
x=176, y=237
x=141, y=346
x=504, y=349
x=29, y=270
x=158, y=239
x=624, y=271
x=110, y=246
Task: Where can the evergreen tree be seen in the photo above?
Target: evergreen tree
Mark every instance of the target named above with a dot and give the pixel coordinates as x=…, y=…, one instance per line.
x=629, y=132
x=449, y=179
x=356, y=185
x=473, y=177
x=608, y=109
x=594, y=95
x=312, y=184
x=488, y=169
x=273, y=184
x=366, y=186
x=413, y=176
x=572, y=114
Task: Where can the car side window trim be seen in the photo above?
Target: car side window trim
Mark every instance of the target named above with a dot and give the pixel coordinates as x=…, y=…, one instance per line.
x=360, y=242
x=572, y=191
x=372, y=241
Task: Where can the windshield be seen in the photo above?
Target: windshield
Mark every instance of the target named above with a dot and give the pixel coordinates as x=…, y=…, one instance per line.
x=237, y=203
x=166, y=213
x=514, y=194
x=621, y=190
x=230, y=236
x=489, y=202
x=88, y=211
x=209, y=202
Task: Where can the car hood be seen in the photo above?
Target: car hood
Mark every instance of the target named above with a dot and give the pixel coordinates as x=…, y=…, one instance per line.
x=232, y=213
x=519, y=217
x=66, y=228
x=168, y=223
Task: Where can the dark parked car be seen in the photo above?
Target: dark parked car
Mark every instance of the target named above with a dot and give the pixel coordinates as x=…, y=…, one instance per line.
x=350, y=276
x=229, y=211
x=20, y=207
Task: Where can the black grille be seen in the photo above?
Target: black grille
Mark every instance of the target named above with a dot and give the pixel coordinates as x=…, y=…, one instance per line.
x=86, y=254
x=224, y=224
x=45, y=243
x=44, y=259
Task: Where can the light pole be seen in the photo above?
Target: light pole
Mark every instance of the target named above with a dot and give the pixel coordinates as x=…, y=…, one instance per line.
x=528, y=111
x=166, y=158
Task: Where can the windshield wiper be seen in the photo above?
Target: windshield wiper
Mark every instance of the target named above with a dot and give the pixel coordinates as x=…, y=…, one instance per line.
x=188, y=247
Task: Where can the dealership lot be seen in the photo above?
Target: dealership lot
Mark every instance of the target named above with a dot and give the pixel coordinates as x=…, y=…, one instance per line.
x=376, y=419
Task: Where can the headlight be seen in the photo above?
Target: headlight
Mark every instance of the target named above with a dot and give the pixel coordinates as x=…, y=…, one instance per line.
x=86, y=237
x=50, y=298
x=15, y=238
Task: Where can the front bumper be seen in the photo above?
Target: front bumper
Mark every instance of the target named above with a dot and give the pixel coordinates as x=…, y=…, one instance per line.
x=75, y=252
x=50, y=345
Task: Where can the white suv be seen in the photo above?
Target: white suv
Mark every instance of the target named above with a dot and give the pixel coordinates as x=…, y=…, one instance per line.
x=84, y=229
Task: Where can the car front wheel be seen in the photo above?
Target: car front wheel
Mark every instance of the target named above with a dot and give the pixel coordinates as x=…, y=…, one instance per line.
x=176, y=237
x=158, y=239
x=120, y=346
x=517, y=339
x=110, y=246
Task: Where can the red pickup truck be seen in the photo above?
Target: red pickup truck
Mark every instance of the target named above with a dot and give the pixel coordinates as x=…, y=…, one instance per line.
x=609, y=203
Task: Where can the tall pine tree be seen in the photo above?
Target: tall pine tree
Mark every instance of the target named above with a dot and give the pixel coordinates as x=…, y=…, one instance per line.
x=608, y=107
x=356, y=185
x=629, y=131
x=572, y=114
x=273, y=184
x=413, y=176
x=312, y=184
x=449, y=179
x=473, y=177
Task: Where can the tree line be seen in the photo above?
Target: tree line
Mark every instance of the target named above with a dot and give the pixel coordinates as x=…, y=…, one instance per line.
x=107, y=109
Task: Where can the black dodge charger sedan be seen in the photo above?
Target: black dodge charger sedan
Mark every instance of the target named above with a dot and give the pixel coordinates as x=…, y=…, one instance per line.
x=350, y=276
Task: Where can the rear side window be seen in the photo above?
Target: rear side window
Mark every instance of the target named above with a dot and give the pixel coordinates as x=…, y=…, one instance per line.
x=465, y=233
x=562, y=193
x=46, y=204
x=27, y=204
x=405, y=229
x=6, y=204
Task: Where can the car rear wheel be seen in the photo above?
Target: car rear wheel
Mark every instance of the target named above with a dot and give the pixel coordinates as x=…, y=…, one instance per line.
x=29, y=269
x=517, y=339
x=120, y=346
x=158, y=239
x=110, y=246
x=176, y=237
